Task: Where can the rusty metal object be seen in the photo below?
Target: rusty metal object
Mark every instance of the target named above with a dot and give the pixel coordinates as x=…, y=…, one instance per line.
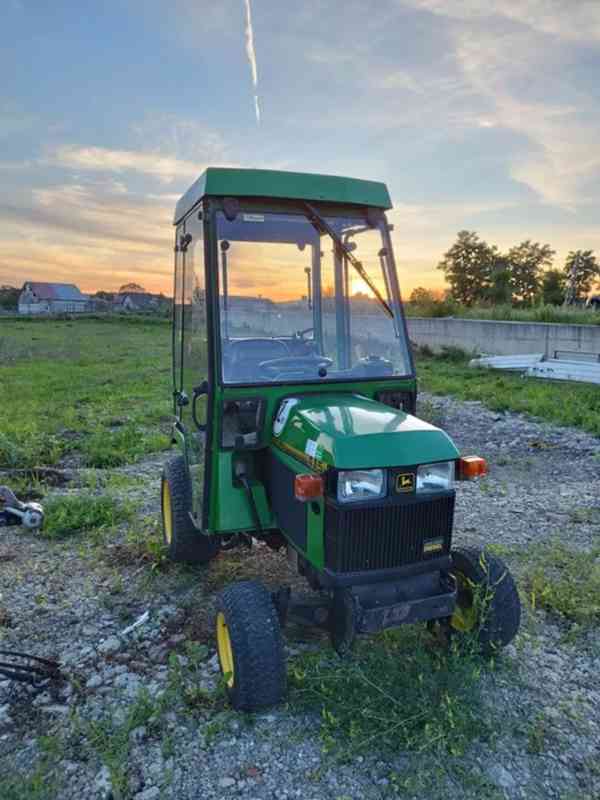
x=27, y=668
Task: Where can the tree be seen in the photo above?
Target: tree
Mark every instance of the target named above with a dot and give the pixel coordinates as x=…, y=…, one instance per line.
x=9, y=298
x=527, y=261
x=587, y=270
x=132, y=288
x=500, y=290
x=421, y=296
x=102, y=295
x=468, y=267
x=553, y=287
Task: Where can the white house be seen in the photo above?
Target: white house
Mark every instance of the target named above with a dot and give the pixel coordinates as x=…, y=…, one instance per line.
x=51, y=298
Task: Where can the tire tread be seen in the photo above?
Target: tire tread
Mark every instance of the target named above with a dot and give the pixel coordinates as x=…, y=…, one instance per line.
x=257, y=644
x=503, y=618
x=187, y=544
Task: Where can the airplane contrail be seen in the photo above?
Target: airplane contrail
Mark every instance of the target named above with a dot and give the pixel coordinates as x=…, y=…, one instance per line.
x=250, y=52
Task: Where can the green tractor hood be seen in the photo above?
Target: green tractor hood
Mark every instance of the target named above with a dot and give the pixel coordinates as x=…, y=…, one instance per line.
x=349, y=431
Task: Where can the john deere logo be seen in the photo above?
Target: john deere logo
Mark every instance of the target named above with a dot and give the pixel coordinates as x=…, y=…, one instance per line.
x=405, y=482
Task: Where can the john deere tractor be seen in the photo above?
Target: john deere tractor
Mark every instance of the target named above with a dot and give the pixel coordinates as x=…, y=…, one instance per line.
x=294, y=397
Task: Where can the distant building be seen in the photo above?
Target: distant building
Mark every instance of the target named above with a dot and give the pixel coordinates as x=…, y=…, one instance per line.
x=51, y=298
x=141, y=302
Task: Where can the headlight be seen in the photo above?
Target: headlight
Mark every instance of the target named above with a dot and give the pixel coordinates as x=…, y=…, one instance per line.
x=360, y=484
x=435, y=477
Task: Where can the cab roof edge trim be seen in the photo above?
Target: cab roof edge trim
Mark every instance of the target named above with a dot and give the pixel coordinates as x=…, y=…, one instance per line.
x=229, y=182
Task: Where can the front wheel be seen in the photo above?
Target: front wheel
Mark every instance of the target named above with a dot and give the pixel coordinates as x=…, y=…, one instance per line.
x=488, y=604
x=250, y=646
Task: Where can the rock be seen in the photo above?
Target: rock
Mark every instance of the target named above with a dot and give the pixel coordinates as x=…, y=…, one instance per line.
x=94, y=682
x=501, y=777
x=55, y=708
x=138, y=735
x=5, y=718
x=151, y=793
x=109, y=645
x=226, y=783
x=103, y=784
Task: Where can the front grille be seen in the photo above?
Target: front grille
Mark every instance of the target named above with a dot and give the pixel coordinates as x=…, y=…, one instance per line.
x=386, y=536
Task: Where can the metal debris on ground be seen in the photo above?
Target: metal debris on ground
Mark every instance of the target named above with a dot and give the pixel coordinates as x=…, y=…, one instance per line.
x=27, y=668
x=565, y=371
x=571, y=368
x=14, y=512
x=516, y=362
x=140, y=621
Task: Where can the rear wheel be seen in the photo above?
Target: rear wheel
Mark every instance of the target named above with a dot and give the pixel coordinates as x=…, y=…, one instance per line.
x=250, y=646
x=488, y=604
x=183, y=541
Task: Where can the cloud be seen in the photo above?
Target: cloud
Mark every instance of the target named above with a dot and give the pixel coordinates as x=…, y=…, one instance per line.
x=517, y=75
x=251, y=53
x=570, y=19
x=103, y=159
x=95, y=234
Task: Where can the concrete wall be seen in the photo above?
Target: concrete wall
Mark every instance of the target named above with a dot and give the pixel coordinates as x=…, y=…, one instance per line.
x=504, y=338
x=472, y=335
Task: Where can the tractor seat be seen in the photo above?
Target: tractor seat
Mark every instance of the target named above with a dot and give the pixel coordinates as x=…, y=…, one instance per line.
x=241, y=357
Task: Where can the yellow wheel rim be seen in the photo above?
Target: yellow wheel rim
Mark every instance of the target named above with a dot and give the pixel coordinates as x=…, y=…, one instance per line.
x=465, y=614
x=166, y=511
x=224, y=649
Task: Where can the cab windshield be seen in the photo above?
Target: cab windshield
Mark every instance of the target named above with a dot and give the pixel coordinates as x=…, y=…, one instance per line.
x=304, y=299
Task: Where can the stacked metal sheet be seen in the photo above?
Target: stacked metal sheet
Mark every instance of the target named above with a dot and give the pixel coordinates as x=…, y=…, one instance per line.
x=571, y=368
x=566, y=370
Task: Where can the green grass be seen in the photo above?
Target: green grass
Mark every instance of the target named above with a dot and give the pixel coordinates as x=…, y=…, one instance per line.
x=574, y=404
x=42, y=782
x=71, y=514
x=398, y=692
x=98, y=390
x=541, y=313
x=564, y=582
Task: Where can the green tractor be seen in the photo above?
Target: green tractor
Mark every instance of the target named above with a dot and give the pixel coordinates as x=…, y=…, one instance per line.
x=294, y=397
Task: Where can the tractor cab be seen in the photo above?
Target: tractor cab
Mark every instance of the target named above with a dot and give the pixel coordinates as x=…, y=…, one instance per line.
x=294, y=397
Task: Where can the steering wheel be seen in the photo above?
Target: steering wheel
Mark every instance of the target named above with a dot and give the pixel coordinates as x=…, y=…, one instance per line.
x=302, y=334
x=276, y=366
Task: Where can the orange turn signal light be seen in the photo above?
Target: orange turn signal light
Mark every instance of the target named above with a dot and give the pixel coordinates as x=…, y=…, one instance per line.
x=308, y=487
x=470, y=467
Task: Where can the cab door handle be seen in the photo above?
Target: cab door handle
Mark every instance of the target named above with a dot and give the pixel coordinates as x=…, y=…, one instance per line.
x=198, y=391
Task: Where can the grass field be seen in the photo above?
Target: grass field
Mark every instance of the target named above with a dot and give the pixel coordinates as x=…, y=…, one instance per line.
x=564, y=403
x=96, y=393
x=541, y=313
x=87, y=389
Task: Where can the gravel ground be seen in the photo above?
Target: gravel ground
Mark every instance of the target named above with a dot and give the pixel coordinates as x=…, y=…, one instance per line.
x=72, y=600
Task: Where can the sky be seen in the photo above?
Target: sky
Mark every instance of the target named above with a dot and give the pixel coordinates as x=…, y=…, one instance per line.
x=484, y=116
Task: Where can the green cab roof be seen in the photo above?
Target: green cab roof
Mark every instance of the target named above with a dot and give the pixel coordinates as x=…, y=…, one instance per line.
x=229, y=182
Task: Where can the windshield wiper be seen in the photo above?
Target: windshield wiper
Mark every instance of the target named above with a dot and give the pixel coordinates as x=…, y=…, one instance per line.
x=322, y=226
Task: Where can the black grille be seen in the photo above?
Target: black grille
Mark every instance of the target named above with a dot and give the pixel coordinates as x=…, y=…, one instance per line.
x=386, y=536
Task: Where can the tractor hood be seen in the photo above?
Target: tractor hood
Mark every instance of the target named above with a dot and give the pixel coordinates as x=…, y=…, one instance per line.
x=349, y=431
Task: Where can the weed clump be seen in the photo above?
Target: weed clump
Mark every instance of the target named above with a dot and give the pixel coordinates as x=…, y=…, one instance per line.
x=66, y=516
x=397, y=693
x=103, y=450
x=565, y=582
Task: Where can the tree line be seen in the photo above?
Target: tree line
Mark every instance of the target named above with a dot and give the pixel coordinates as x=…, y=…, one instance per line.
x=478, y=273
